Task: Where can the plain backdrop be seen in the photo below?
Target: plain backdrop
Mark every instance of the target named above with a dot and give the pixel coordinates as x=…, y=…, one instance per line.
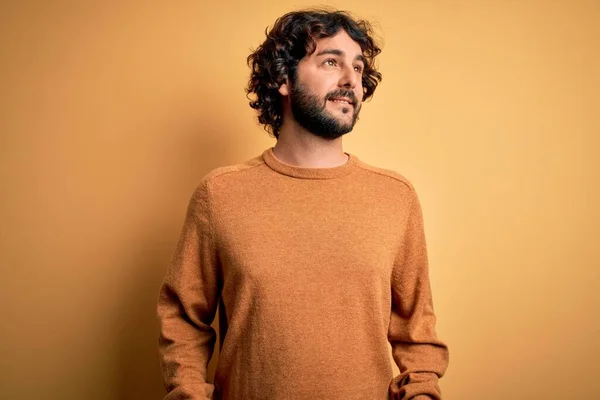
x=111, y=112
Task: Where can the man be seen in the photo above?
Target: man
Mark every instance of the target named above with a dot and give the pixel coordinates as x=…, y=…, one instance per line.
x=317, y=259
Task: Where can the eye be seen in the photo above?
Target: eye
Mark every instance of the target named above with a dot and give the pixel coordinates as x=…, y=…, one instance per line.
x=330, y=61
x=358, y=68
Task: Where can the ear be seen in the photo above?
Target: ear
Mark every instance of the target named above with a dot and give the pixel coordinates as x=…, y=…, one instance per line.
x=284, y=89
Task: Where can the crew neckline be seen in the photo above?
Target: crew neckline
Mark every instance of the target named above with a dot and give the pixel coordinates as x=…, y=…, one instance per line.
x=309, y=173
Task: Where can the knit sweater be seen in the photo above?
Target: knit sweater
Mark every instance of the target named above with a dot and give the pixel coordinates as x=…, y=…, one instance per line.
x=317, y=271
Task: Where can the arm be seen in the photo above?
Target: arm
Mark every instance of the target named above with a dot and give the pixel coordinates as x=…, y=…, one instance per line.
x=420, y=356
x=187, y=305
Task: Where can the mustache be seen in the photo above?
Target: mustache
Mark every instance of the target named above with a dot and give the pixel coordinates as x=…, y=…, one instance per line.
x=343, y=93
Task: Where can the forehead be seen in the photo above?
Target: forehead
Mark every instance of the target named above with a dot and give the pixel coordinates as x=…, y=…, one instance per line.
x=340, y=41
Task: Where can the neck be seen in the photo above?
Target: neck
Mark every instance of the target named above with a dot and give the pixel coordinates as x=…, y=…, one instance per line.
x=296, y=146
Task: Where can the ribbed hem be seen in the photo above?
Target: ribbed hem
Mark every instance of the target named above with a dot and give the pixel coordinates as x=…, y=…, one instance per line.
x=309, y=173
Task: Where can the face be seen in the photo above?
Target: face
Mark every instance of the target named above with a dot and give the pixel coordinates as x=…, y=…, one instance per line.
x=326, y=96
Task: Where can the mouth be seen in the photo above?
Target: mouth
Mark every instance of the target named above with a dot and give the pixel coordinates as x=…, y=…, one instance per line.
x=342, y=100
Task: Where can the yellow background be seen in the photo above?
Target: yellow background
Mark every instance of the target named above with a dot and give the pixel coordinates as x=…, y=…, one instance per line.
x=111, y=112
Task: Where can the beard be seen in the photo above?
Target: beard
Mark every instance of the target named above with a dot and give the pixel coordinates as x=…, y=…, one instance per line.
x=310, y=112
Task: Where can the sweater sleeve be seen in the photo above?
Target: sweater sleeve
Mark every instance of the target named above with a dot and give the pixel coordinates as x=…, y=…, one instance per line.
x=187, y=304
x=419, y=355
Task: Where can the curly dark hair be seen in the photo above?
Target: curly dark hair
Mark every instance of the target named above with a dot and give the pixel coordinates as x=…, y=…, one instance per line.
x=293, y=37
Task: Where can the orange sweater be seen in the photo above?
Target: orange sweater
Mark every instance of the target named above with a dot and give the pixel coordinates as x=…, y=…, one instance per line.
x=316, y=269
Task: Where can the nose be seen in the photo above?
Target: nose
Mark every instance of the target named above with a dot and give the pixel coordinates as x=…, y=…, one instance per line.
x=349, y=77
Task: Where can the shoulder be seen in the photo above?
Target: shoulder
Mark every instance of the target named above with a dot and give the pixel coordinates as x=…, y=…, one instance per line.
x=199, y=203
x=394, y=185
x=208, y=181
x=386, y=176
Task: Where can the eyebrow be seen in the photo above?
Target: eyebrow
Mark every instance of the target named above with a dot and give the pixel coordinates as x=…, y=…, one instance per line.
x=359, y=57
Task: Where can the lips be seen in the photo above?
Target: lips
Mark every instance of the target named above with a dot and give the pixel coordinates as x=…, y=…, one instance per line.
x=342, y=100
